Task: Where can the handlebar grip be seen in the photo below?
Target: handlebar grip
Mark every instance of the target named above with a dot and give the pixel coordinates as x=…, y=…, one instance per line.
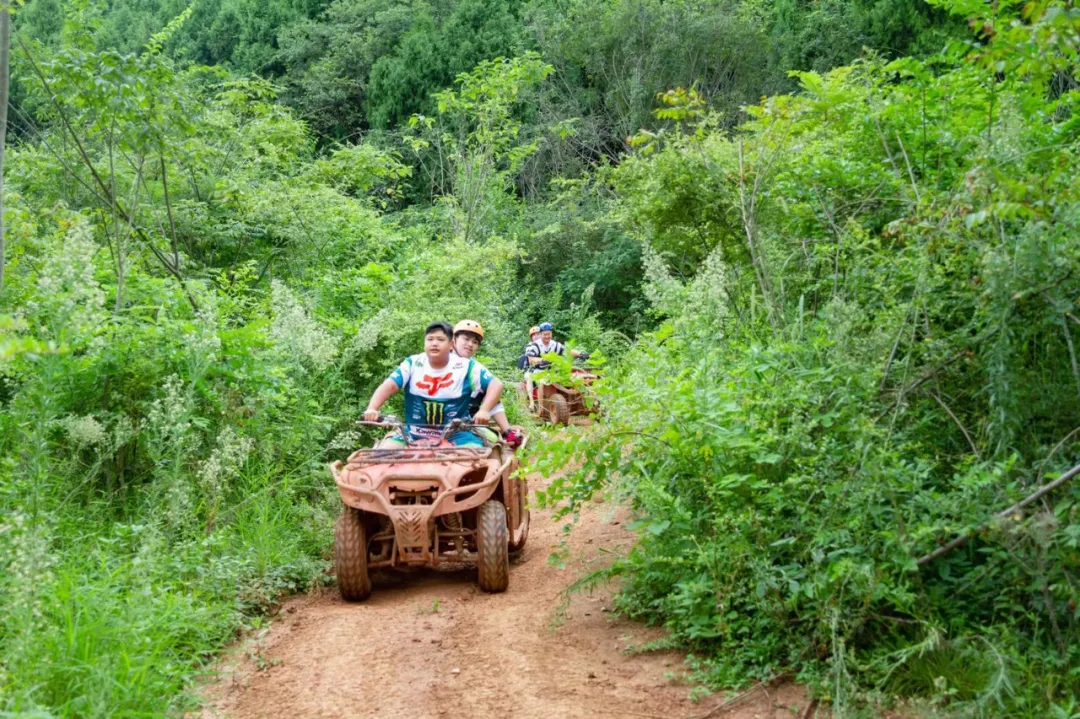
x=387, y=419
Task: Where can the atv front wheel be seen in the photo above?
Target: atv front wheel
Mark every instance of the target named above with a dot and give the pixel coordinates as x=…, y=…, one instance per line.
x=492, y=548
x=558, y=410
x=351, y=556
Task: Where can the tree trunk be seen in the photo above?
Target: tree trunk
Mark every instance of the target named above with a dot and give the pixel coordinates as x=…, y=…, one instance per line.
x=5, y=47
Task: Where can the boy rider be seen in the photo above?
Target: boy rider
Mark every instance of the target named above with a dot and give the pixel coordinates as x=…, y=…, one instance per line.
x=534, y=355
x=468, y=335
x=438, y=389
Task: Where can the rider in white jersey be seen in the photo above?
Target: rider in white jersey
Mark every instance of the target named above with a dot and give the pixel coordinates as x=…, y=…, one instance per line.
x=438, y=388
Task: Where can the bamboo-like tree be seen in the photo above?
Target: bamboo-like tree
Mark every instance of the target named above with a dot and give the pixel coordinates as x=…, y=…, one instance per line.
x=5, y=46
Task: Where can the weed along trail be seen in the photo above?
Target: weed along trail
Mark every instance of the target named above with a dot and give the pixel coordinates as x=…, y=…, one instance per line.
x=429, y=643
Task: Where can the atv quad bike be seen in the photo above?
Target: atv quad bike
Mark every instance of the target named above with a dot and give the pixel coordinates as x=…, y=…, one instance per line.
x=557, y=403
x=427, y=503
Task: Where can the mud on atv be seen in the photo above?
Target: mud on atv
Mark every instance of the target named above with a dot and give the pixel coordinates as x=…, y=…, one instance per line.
x=427, y=503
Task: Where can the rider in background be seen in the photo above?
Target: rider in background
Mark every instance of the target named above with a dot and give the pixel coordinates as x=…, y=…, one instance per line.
x=438, y=389
x=468, y=335
x=523, y=363
x=535, y=351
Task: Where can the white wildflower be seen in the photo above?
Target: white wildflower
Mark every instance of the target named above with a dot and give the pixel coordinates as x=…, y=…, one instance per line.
x=179, y=508
x=350, y=439
x=224, y=462
x=26, y=563
x=203, y=345
x=169, y=418
x=367, y=335
x=69, y=303
x=84, y=432
x=707, y=290
x=296, y=334
x=663, y=291
x=122, y=432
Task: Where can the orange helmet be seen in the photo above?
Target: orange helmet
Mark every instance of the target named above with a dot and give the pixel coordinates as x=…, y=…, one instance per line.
x=469, y=326
x=533, y=330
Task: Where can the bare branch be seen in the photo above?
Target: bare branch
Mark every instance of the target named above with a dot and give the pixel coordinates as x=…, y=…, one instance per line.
x=168, y=209
x=1072, y=354
x=892, y=355
x=746, y=206
x=959, y=424
x=107, y=197
x=965, y=538
x=926, y=377
x=5, y=48
x=911, y=174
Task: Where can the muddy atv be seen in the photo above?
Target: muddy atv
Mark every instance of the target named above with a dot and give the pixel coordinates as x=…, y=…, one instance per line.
x=557, y=403
x=426, y=504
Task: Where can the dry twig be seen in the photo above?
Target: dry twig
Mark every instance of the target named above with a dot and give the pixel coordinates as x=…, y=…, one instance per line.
x=966, y=537
x=959, y=424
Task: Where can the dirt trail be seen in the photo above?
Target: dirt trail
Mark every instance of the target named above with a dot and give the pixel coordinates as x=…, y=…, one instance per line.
x=430, y=644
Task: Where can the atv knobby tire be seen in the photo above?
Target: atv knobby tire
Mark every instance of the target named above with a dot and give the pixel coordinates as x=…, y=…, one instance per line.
x=492, y=550
x=351, y=556
x=558, y=410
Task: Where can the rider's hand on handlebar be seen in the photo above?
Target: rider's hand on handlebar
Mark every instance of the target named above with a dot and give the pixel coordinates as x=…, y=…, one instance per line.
x=481, y=417
x=371, y=415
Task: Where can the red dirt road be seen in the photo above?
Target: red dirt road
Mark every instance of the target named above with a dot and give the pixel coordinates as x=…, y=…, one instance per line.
x=430, y=644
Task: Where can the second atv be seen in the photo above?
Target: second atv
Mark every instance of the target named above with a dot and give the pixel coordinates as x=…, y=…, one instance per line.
x=556, y=403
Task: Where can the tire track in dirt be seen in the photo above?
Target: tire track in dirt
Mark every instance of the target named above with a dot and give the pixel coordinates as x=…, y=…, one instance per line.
x=428, y=643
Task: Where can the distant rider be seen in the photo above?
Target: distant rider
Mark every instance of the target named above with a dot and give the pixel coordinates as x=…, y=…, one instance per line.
x=438, y=389
x=535, y=351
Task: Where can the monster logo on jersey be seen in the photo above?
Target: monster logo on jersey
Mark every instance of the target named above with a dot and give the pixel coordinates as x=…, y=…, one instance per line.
x=434, y=412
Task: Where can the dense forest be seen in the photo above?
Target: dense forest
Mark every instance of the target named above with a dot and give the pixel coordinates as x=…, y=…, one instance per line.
x=828, y=250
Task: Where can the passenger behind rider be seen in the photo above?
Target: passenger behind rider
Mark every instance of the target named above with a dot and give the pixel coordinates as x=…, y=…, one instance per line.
x=438, y=389
x=534, y=352
x=468, y=335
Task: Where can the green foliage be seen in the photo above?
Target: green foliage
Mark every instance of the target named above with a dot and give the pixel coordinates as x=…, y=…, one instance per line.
x=180, y=352
x=476, y=149
x=869, y=352
x=613, y=58
x=375, y=63
x=816, y=35
x=854, y=309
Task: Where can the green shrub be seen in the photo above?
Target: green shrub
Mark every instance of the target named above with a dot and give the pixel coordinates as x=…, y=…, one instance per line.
x=875, y=356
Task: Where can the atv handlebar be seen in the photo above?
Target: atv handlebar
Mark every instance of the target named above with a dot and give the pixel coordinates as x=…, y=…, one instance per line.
x=389, y=421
